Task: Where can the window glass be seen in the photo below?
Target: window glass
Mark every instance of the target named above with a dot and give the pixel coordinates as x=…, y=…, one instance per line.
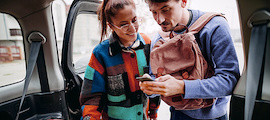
x=12, y=60
x=85, y=37
x=86, y=33
x=59, y=10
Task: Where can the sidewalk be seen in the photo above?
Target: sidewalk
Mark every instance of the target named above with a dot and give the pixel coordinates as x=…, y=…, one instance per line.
x=11, y=72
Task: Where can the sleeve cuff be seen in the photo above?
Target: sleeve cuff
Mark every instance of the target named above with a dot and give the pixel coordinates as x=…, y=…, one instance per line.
x=191, y=88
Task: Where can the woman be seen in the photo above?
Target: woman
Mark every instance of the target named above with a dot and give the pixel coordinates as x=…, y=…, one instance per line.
x=110, y=88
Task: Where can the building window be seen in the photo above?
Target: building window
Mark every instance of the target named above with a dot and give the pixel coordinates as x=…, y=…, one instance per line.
x=15, y=32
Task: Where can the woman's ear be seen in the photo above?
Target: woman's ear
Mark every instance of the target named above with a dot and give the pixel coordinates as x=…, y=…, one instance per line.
x=110, y=25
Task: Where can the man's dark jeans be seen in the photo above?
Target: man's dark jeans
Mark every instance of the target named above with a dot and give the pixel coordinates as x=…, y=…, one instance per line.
x=178, y=115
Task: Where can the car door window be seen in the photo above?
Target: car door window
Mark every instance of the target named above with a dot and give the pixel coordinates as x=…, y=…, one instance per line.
x=85, y=37
x=59, y=10
x=12, y=59
x=85, y=34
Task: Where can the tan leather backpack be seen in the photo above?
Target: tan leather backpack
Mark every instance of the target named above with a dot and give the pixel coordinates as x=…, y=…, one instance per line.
x=180, y=56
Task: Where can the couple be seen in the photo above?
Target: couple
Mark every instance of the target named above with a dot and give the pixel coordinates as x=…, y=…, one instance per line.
x=110, y=90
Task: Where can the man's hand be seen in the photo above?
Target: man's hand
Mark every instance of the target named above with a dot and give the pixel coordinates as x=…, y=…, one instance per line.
x=165, y=85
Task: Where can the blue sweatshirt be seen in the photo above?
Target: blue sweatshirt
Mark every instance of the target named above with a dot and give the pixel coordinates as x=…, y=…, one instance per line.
x=217, y=47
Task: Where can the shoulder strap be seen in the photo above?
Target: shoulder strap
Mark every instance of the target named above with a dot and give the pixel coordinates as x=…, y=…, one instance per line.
x=202, y=21
x=196, y=26
x=146, y=50
x=146, y=38
x=34, y=50
x=36, y=39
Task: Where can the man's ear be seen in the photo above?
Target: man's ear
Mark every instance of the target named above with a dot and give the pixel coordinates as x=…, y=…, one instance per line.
x=183, y=3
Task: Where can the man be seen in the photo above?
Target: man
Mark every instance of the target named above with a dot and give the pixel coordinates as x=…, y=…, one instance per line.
x=217, y=47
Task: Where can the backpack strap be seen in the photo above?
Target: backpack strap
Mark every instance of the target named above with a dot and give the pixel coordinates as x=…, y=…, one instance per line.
x=146, y=39
x=146, y=49
x=196, y=26
x=202, y=21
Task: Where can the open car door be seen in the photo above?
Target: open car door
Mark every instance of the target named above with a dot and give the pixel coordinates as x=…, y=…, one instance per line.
x=82, y=33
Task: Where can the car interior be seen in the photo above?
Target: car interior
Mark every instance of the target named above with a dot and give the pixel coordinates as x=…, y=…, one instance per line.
x=250, y=99
x=50, y=79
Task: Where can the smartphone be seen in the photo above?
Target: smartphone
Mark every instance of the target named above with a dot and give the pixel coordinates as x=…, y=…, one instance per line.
x=144, y=79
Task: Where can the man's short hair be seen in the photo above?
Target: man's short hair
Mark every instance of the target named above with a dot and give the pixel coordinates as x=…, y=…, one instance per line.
x=157, y=1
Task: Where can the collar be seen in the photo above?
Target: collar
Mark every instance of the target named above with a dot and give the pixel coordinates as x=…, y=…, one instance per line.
x=188, y=24
x=116, y=46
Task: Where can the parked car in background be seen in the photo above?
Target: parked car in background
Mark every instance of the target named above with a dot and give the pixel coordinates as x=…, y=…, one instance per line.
x=56, y=40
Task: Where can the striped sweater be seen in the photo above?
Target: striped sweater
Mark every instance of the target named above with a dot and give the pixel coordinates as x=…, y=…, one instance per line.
x=110, y=89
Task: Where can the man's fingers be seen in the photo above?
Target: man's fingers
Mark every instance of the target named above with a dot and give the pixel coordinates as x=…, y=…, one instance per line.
x=152, y=86
x=146, y=75
x=150, y=92
x=163, y=78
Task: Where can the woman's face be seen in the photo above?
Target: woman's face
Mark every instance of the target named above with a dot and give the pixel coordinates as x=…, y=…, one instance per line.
x=125, y=24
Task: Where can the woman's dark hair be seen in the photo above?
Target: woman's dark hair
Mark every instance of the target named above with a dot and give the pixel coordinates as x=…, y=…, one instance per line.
x=108, y=9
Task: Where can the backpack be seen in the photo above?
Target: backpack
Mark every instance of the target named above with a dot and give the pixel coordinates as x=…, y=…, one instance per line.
x=181, y=57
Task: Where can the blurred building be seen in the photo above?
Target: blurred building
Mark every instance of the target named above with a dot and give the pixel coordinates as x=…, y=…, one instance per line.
x=10, y=39
x=11, y=44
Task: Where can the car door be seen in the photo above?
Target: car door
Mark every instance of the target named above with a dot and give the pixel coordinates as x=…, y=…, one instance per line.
x=82, y=33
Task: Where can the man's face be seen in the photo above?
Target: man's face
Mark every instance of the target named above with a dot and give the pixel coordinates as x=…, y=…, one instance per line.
x=167, y=14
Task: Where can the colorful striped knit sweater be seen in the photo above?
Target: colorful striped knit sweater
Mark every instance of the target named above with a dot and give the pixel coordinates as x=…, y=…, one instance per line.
x=110, y=89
